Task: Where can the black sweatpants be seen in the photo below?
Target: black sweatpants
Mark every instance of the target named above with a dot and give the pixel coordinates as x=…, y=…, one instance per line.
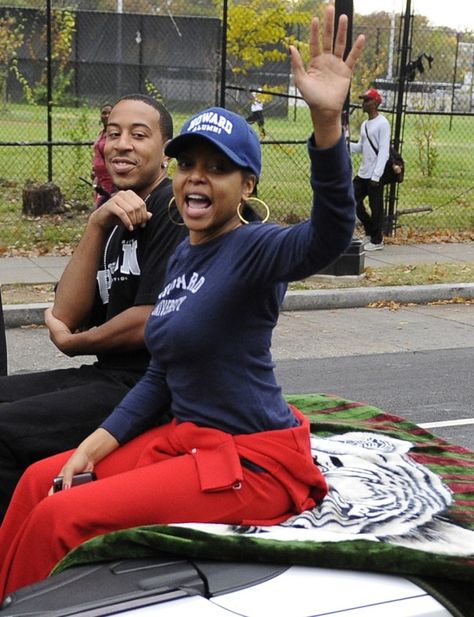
x=48, y=412
x=373, y=222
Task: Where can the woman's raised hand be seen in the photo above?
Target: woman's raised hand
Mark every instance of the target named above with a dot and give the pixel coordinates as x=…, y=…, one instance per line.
x=324, y=84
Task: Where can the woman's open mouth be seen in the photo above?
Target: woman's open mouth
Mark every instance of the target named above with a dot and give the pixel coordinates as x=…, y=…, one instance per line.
x=197, y=205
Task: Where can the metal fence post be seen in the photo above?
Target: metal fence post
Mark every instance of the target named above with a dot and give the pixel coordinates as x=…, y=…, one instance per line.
x=49, y=90
x=223, y=54
x=351, y=262
x=390, y=223
x=346, y=7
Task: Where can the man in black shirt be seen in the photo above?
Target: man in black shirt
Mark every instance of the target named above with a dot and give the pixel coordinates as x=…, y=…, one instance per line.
x=102, y=300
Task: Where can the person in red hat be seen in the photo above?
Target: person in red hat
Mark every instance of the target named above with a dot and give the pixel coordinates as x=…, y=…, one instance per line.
x=374, y=145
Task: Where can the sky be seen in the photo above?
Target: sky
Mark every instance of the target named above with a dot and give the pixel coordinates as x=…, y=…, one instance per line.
x=457, y=14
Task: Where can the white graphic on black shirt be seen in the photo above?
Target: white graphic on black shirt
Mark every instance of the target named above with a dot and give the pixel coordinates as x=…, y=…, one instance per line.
x=130, y=260
x=127, y=264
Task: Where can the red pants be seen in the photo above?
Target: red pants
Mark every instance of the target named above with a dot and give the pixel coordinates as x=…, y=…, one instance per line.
x=153, y=479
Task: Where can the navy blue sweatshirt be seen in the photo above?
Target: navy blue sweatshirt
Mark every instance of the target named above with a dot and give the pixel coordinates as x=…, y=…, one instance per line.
x=209, y=334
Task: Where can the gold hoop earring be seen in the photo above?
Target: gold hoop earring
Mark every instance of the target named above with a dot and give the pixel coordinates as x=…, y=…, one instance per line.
x=257, y=200
x=169, y=213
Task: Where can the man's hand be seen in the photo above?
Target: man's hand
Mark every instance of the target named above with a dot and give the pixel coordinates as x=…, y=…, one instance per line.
x=375, y=183
x=124, y=207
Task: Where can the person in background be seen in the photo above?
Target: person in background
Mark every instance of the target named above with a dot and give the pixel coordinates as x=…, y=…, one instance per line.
x=235, y=451
x=374, y=145
x=101, y=180
x=256, y=113
x=102, y=300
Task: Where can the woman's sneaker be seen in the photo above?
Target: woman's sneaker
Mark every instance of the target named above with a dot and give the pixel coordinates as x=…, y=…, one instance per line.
x=370, y=246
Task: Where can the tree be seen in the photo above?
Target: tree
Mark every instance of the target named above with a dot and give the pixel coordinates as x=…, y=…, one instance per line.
x=260, y=32
x=374, y=62
x=440, y=44
x=62, y=35
x=11, y=39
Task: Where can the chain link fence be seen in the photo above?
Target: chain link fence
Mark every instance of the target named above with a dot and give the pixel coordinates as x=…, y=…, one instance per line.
x=436, y=120
x=104, y=49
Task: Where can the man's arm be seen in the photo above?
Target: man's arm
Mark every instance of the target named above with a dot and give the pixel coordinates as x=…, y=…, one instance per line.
x=76, y=289
x=124, y=332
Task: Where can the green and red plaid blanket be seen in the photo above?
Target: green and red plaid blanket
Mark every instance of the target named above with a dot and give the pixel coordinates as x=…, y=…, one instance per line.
x=401, y=501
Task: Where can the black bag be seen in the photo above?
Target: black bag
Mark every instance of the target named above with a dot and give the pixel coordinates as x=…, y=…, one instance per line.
x=394, y=170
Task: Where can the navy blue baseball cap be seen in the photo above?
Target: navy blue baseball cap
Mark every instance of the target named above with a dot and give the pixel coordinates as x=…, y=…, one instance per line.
x=227, y=131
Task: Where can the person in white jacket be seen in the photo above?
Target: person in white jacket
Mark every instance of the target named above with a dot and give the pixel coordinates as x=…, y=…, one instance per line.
x=374, y=145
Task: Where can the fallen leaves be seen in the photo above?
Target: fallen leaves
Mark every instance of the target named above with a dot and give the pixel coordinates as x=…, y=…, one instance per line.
x=392, y=305
x=455, y=300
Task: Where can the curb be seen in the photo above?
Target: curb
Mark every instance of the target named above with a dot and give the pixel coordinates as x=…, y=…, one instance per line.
x=18, y=315
x=310, y=300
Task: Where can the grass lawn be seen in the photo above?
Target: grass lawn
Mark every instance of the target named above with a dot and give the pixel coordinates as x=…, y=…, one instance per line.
x=449, y=192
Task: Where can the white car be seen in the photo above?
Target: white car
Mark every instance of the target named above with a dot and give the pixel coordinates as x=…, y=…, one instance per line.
x=173, y=587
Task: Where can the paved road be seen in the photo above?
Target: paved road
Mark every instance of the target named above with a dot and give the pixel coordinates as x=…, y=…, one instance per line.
x=423, y=386
x=416, y=361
